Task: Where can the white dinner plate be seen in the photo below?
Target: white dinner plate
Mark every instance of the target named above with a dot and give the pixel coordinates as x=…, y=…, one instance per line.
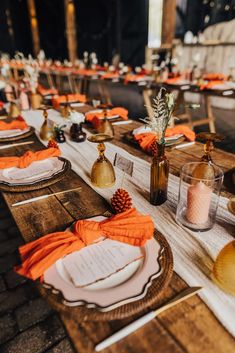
x=34, y=173
x=13, y=133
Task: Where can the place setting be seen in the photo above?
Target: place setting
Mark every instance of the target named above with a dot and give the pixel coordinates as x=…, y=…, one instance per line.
x=32, y=170
x=14, y=129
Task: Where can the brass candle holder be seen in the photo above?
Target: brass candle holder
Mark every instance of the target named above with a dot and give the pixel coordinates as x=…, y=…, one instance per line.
x=205, y=170
x=105, y=127
x=46, y=132
x=209, y=138
x=102, y=172
x=65, y=110
x=14, y=110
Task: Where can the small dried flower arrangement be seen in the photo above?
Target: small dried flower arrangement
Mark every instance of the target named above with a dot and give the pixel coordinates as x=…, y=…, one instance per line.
x=163, y=106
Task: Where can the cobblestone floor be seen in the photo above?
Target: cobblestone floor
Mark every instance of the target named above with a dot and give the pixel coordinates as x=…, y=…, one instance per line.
x=27, y=323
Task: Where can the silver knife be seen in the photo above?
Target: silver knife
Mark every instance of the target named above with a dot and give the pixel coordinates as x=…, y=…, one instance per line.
x=135, y=325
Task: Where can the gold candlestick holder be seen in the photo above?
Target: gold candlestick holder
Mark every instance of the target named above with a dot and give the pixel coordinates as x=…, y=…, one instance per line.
x=205, y=170
x=14, y=110
x=105, y=127
x=209, y=138
x=102, y=172
x=46, y=132
x=65, y=110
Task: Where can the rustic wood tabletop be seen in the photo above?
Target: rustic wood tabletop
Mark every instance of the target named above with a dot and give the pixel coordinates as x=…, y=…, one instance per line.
x=189, y=327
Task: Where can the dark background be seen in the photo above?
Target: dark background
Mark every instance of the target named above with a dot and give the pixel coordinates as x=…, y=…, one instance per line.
x=104, y=26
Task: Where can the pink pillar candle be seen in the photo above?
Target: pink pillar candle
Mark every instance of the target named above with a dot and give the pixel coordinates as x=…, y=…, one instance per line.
x=198, y=203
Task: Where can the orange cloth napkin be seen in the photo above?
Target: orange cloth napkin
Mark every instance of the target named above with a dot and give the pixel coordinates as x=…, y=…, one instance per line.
x=211, y=84
x=110, y=75
x=13, y=125
x=28, y=158
x=121, y=112
x=215, y=77
x=44, y=91
x=57, y=100
x=132, y=78
x=129, y=227
x=85, y=72
x=146, y=139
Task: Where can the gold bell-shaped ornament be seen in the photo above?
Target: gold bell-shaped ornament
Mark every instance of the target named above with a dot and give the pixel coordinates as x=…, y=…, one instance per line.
x=46, y=132
x=14, y=110
x=102, y=172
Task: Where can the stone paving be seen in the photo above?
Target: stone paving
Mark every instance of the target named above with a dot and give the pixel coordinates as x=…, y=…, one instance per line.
x=27, y=323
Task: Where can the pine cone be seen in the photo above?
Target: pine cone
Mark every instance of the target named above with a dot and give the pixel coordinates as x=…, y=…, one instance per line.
x=52, y=143
x=153, y=148
x=121, y=201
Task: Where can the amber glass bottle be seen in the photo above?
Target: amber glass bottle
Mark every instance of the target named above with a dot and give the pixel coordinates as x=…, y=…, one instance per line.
x=159, y=176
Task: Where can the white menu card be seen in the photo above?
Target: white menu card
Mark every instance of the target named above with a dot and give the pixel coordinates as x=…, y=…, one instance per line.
x=99, y=261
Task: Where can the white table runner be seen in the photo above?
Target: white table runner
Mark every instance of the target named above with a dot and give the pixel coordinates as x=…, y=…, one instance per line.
x=193, y=253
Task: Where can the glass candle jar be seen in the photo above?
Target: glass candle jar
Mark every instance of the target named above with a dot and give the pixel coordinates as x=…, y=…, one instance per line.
x=199, y=197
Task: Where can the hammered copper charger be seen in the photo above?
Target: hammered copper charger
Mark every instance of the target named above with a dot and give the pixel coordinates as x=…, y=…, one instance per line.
x=39, y=184
x=154, y=294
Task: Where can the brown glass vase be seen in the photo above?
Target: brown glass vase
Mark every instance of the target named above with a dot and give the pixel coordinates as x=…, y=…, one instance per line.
x=159, y=176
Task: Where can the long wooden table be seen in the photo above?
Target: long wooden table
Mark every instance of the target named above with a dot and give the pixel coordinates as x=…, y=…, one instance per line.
x=189, y=327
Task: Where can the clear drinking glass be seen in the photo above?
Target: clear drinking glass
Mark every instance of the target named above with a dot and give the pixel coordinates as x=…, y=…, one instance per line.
x=199, y=197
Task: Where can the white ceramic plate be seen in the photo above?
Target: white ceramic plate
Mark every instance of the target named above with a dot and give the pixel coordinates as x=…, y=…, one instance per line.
x=125, y=286
x=37, y=171
x=13, y=133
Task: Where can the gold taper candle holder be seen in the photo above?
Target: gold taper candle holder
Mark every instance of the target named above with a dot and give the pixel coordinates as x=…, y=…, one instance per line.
x=102, y=172
x=35, y=100
x=14, y=110
x=46, y=133
x=105, y=127
x=205, y=170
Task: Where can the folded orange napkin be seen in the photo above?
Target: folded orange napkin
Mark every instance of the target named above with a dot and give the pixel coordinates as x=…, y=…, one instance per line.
x=57, y=100
x=110, y=75
x=121, y=112
x=146, y=139
x=44, y=91
x=28, y=158
x=211, y=84
x=85, y=72
x=133, y=78
x=13, y=125
x=215, y=77
x=129, y=227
